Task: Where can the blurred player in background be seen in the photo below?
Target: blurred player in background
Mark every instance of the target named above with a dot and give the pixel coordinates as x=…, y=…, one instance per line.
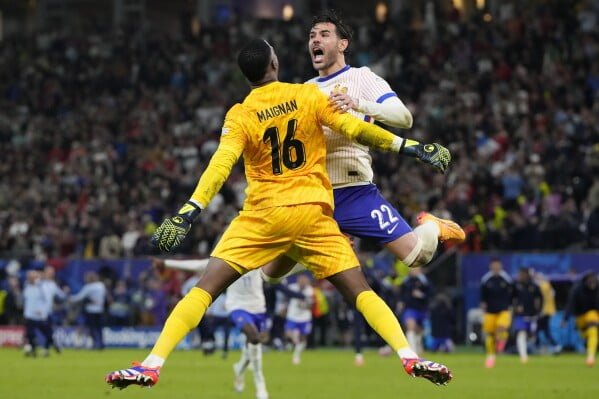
x=218, y=319
x=442, y=317
x=245, y=302
x=583, y=303
x=35, y=313
x=298, y=322
x=548, y=311
x=527, y=305
x=216, y=316
x=413, y=306
x=320, y=315
x=93, y=296
x=495, y=301
x=52, y=292
x=287, y=210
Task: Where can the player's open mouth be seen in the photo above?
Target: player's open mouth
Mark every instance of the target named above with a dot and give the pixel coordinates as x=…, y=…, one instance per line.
x=317, y=55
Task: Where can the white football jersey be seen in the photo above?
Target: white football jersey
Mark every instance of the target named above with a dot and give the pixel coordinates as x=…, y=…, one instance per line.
x=247, y=294
x=300, y=310
x=349, y=163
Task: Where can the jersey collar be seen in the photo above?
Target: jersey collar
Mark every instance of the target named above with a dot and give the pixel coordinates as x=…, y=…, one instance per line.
x=331, y=76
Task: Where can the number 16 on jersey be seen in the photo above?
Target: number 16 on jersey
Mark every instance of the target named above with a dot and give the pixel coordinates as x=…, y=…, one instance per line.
x=293, y=152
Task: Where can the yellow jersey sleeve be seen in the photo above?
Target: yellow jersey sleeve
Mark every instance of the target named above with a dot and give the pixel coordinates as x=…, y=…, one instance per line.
x=233, y=141
x=367, y=134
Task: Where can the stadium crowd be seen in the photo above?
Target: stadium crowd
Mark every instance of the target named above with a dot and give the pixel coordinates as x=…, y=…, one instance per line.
x=102, y=134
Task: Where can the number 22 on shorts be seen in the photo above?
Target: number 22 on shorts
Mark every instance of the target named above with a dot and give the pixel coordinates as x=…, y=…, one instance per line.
x=385, y=217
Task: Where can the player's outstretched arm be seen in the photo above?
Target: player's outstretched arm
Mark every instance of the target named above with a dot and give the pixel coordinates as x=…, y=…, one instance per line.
x=380, y=139
x=189, y=265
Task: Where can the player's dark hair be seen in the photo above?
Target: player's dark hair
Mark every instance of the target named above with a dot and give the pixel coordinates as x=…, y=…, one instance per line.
x=344, y=31
x=253, y=59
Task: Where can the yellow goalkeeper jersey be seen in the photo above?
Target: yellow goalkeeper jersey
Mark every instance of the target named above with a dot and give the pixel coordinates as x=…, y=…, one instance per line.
x=277, y=130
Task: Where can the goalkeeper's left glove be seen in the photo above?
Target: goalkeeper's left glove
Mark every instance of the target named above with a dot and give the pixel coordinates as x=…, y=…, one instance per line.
x=433, y=154
x=171, y=233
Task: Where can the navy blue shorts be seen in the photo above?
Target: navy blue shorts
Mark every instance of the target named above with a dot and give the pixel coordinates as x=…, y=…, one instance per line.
x=240, y=318
x=304, y=328
x=522, y=323
x=362, y=211
x=419, y=316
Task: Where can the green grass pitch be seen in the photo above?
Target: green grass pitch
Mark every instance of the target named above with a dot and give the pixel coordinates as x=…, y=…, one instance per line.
x=323, y=374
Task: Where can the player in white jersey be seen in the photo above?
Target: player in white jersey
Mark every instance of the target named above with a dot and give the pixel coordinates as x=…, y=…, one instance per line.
x=298, y=322
x=247, y=310
x=52, y=291
x=360, y=209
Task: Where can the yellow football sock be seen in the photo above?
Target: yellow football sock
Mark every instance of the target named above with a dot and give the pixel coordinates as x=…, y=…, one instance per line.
x=591, y=341
x=490, y=344
x=184, y=317
x=381, y=319
x=503, y=335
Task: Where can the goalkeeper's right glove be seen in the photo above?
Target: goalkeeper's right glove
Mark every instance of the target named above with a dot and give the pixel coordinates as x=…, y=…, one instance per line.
x=171, y=233
x=433, y=154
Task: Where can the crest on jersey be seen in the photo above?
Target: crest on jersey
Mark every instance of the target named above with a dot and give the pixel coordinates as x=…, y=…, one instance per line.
x=224, y=131
x=339, y=89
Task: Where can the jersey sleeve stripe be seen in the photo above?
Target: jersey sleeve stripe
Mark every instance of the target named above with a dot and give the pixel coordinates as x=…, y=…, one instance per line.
x=386, y=96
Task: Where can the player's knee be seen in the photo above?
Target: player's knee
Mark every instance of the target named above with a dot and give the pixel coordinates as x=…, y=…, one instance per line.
x=420, y=255
x=254, y=339
x=252, y=335
x=425, y=247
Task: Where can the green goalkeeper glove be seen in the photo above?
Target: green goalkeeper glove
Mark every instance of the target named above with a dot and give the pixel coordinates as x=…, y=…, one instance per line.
x=433, y=154
x=171, y=233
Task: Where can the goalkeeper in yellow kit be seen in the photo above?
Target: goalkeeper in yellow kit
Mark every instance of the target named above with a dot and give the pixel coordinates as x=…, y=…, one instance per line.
x=288, y=208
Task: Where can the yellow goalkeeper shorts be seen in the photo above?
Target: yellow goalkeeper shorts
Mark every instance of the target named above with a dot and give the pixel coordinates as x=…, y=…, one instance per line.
x=590, y=317
x=307, y=233
x=493, y=321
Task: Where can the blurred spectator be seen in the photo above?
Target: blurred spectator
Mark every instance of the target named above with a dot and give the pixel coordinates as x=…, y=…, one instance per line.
x=416, y=292
x=217, y=318
x=320, y=316
x=442, y=315
x=527, y=305
x=583, y=303
x=13, y=302
x=298, y=322
x=93, y=295
x=35, y=313
x=52, y=293
x=110, y=247
x=548, y=311
x=154, y=303
x=119, y=308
